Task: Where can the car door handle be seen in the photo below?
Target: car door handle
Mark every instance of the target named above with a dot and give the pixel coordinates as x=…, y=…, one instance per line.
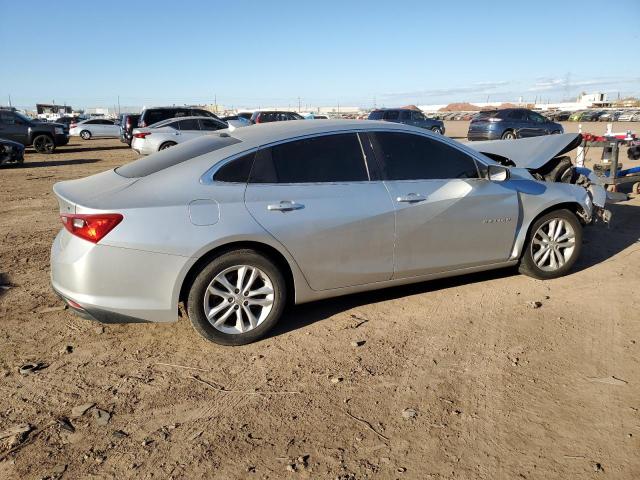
x=284, y=206
x=411, y=198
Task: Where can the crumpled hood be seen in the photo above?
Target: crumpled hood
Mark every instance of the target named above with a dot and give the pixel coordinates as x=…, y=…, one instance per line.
x=532, y=153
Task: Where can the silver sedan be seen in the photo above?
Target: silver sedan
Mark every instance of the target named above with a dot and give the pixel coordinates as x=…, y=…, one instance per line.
x=237, y=224
x=168, y=133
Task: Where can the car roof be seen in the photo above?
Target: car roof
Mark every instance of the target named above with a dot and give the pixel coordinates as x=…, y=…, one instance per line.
x=264, y=133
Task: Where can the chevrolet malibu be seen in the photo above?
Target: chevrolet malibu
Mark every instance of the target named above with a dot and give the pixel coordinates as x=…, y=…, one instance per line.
x=237, y=224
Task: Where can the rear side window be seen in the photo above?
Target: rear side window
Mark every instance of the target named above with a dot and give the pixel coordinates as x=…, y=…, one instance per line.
x=516, y=115
x=405, y=115
x=203, y=113
x=391, y=115
x=236, y=171
x=175, y=155
x=376, y=115
x=326, y=159
x=404, y=156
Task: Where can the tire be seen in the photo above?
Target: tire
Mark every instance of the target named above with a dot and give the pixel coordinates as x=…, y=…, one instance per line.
x=166, y=145
x=437, y=130
x=206, y=289
x=555, y=132
x=85, y=134
x=43, y=143
x=541, y=266
x=509, y=135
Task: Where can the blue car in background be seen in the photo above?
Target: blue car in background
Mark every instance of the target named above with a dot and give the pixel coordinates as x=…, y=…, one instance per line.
x=509, y=124
x=408, y=116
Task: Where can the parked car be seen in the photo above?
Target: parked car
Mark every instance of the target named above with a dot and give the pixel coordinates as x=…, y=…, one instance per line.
x=591, y=115
x=95, y=127
x=264, y=116
x=44, y=136
x=236, y=121
x=626, y=115
x=11, y=153
x=610, y=116
x=236, y=224
x=509, y=124
x=152, y=115
x=168, y=133
x=408, y=117
x=636, y=117
x=128, y=122
x=576, y=116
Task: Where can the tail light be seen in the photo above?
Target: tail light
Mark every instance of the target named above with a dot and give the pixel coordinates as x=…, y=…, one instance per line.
x=91, y=227
x=128, y=124
x=141, y=134
x=257, y=118
x=73, y=125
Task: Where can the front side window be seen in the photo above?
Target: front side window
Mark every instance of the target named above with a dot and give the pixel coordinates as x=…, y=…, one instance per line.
x=191, y=124
x=405, y=156
x=536, y=118
x=211, y=125
x=418, y=116
x=326, y=159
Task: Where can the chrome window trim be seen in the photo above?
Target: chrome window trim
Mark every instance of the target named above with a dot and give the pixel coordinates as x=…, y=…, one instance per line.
x=207, y=177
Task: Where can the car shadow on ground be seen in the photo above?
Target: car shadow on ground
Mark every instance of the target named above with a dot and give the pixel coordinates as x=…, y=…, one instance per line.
x=85, y=148
x=59, y=163
x=300, y=316
x=599, y=244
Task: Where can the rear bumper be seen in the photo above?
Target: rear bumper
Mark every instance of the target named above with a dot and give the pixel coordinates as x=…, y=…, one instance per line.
x=483, y=135
x=115, y=285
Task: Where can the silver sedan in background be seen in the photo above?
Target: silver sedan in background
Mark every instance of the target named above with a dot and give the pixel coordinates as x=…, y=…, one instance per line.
x=168, y=133
x=237, y=224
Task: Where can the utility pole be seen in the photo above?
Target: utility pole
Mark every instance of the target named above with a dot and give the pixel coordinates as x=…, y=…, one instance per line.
x=12, y=105
x=215, y=102
x=118, y=105
x=298, y=104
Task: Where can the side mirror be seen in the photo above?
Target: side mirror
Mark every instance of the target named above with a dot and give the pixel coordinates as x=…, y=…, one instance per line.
x=498, y=173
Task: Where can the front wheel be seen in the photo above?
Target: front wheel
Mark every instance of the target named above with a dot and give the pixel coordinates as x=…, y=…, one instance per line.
x=437, y=130
x=44, y=144
x=85, y=134
x=553, y=245
x=237, y=298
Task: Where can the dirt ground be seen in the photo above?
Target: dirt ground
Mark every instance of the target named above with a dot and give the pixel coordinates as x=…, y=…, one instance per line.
x=453, y=379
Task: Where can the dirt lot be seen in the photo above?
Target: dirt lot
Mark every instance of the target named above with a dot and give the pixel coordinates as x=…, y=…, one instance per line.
x=455, y=379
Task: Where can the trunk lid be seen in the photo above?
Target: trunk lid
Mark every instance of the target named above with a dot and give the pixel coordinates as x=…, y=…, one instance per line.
x=74, y=195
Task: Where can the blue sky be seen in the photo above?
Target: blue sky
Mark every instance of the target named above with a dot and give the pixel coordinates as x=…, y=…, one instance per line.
x=267, y=53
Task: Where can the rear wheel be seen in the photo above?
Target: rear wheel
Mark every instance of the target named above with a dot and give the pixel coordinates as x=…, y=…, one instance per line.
x=44, y=144
x=509, y=135
x=553, y=245
x=85, y=134
x=166, y=145
x=237, y=298
x=437, y=130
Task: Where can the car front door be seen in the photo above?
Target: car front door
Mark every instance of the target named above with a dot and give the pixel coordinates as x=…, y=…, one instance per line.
x=539, y=124
x=110, y=129
x=315, y=196
x=13, y=127
x=447, y=216
x=189, y=128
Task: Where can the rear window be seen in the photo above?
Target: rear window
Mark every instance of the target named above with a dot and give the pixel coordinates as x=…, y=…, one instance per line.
x=175, y=155
x=376, y=115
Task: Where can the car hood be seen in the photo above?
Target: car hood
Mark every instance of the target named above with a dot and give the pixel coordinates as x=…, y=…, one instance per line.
x=531, y=153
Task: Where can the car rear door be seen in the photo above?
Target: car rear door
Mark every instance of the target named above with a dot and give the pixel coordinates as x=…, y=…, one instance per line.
x=447, y=217
x=538, y=124
x=316, y=197
x=13, y=127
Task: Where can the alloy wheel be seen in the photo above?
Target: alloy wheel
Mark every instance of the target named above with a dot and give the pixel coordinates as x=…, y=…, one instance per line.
x=553, y=244
x=238, y=299
x=43, y=144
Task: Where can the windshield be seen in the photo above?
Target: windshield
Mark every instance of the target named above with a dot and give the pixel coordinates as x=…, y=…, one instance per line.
x=23, y=117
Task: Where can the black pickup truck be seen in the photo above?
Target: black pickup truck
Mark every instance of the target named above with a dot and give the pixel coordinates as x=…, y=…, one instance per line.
x=44, y=136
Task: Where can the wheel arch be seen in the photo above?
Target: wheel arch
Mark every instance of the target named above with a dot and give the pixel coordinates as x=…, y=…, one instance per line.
x=267, y=250
x=573, y=207
x=165, y=143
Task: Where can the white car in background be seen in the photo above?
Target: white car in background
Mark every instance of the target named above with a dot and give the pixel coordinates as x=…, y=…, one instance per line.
x=94, y=127
x=167, y=133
